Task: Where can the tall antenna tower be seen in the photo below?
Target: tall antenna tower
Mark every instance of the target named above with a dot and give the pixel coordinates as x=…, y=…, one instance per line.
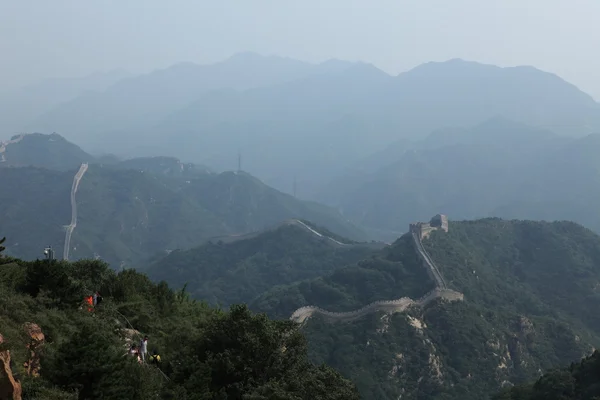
x=239, y=161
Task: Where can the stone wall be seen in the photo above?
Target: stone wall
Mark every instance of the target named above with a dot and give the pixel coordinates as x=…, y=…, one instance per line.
x=418, y=232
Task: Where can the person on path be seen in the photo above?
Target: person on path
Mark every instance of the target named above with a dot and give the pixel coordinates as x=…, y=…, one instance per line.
x=90, y=301
x=134, y=351
x=144, y=348
x=95, y=298
x=155, y=357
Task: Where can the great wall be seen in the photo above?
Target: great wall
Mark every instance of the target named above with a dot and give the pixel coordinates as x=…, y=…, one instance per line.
x=418, y=231
x=71, y=227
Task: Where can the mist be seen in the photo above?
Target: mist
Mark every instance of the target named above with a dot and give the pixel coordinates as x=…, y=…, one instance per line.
x=66, y=38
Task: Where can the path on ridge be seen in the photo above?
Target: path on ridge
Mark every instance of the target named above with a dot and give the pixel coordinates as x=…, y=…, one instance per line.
x=390, y=306
x=4, y=144
x=297, y=221
x=73, y=224
x=434, y=272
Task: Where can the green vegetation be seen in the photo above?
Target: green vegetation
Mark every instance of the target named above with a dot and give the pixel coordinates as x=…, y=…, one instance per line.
x=133, y=210
x=206, y=353
x=238, y=272
x=35, y=209
x=578, y=382
x=326, y=232
x=45, y=151
x=535, y=268
x=392, y=273
x=529, y=307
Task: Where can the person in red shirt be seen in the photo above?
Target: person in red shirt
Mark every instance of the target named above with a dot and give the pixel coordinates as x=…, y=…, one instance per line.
x=90, y=301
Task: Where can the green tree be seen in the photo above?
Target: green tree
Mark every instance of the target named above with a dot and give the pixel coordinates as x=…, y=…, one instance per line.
x=246, y=355
x=93, y=363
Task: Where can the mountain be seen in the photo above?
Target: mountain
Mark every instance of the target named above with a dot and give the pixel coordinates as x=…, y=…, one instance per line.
x=53, y=348
x=463, y=93
x=45, y=151
x=136, y=103
x=497, y=168
x=236, y=269
x=20, y=106
x=333, y=114
x=337, y=118
x=161, y=165
x=130, y=211
x=514, y=299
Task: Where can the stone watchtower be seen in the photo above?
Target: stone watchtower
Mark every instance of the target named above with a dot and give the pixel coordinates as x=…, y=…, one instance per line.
x=440, y=221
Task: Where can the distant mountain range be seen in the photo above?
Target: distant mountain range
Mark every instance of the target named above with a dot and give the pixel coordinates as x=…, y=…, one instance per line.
x=20, y=106
x=295, y=121
x=497, y=168
x=128, y=211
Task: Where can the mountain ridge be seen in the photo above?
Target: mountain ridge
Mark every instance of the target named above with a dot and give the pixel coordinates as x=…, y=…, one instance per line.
x=518, y=317
x=117, y=207
x=440, y=291
x=333, y=113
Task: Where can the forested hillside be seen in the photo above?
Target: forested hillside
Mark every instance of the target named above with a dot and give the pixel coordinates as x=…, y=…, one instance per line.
x=45, y=151
x=580, y=381
x=52, y=347
x=128, y=211
x=529, y=306
x=237, y=271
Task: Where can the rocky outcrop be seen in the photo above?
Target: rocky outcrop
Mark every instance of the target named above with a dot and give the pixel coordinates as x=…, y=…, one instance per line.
x=10, y=387
x=37, y=340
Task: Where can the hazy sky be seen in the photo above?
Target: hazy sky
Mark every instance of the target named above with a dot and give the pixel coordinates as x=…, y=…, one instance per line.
x=50, y=38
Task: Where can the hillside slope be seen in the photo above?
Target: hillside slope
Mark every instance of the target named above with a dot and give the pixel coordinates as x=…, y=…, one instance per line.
x=579, y=381
x=497, y=168
x=333, y=114
x=236, y=269
x=52, y=348
x=132, y=105
x=529, y=305
x=125, y=216
x=45, y=151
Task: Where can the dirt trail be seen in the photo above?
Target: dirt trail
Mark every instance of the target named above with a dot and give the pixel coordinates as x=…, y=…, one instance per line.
x=73, y=223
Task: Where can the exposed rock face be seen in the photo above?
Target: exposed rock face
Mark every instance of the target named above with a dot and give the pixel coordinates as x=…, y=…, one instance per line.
x=34, y=331
x=10, y=387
